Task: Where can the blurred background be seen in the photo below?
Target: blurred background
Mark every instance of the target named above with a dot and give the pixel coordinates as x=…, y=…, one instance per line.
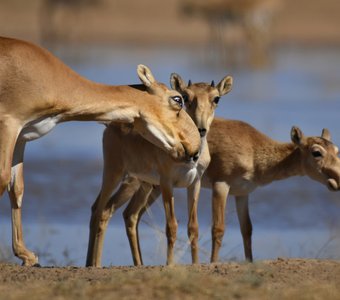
x=284, y=56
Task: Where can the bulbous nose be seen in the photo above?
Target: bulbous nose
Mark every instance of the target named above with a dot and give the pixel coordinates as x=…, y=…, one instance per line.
x=202, y=131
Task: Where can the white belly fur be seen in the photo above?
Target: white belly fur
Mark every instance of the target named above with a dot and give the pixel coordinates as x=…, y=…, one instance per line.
x=181, y=176
x=149, y=177
x=184, y=176
x=38, y=128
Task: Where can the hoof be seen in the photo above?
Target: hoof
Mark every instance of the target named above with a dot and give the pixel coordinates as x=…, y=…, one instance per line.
x=37, y=265
x=31, y=262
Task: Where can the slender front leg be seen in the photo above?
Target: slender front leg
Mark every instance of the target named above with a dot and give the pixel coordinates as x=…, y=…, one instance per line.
x=242, y=208
x=16, y=192
x=193, y=192
x=171, y=222
x=131, y=214
x=219, y=200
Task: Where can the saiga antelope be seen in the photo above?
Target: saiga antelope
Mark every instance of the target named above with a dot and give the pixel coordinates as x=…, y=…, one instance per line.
x=243, y=158
x=37, y=91
x=153, y=167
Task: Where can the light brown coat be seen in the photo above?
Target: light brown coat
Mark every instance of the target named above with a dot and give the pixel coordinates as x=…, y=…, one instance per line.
x=38, y=91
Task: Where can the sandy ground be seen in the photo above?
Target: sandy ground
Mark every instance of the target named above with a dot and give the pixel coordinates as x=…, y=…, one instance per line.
x=274, y=279
x=156, y=22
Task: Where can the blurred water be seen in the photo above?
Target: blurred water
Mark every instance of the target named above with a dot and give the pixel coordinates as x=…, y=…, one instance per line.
x=296, y=217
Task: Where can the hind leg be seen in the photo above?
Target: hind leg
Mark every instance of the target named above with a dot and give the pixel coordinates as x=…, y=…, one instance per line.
x=102, y=209
x=9, y=131
x=242, y=208
x=100, y=216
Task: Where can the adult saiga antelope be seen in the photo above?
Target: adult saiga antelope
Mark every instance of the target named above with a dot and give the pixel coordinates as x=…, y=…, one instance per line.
x=37, y=91
x=242, y=159
x=153, y=167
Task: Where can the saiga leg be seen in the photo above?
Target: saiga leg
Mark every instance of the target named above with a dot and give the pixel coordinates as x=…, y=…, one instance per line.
x=128, y=187
x=101, y=214
x=193, y=192
x=131, y=214
x=171, y=222
x=219, y=200
x=242, y=208
x=9, y=131
x=152, y=198
x=16, y=192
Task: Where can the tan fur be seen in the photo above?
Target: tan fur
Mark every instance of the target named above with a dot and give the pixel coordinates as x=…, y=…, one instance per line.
x=153, y=167
x=243, y=158
x=37, y=91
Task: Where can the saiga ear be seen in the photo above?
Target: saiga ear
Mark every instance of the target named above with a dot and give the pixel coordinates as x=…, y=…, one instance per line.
x=225, y=85
x=297, y=136
x=177, y=83
x=326, y=134
x=145, y=75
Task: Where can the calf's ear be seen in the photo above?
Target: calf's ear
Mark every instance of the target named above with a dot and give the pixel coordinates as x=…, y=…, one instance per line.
x=177, y=83
x=225, y=85
x=326, y=134
x=297, y=136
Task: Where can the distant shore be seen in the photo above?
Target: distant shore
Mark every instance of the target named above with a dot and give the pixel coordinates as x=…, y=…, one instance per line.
x=149, y=23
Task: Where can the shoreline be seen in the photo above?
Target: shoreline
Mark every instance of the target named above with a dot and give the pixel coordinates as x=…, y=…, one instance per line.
x=134, y=23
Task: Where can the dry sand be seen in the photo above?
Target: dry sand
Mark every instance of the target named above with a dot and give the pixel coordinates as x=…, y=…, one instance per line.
x=274, y=279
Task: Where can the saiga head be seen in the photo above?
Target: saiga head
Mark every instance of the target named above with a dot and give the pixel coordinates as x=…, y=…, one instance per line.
x=165, y=123
x=319, y=157
x=201, y=99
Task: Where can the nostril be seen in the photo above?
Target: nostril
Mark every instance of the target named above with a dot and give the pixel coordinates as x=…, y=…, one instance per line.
x=202, y=131
x=196, y=156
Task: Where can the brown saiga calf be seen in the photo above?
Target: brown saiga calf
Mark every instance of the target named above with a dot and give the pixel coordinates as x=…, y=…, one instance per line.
x=242, y=158
x=154, y=167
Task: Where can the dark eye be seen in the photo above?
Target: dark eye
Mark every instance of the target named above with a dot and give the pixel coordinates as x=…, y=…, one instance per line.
x=316, y=154
x=185, y=98
x=216, y=99
x=178, y=99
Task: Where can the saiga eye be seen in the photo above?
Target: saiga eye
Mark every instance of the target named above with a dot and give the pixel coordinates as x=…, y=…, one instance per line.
x=216, y=99
x=178, y=99
x=185, y=98
x=316, y=153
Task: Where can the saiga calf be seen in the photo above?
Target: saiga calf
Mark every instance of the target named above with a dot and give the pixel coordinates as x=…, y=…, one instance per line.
x=155, y=167
x=242, y=158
